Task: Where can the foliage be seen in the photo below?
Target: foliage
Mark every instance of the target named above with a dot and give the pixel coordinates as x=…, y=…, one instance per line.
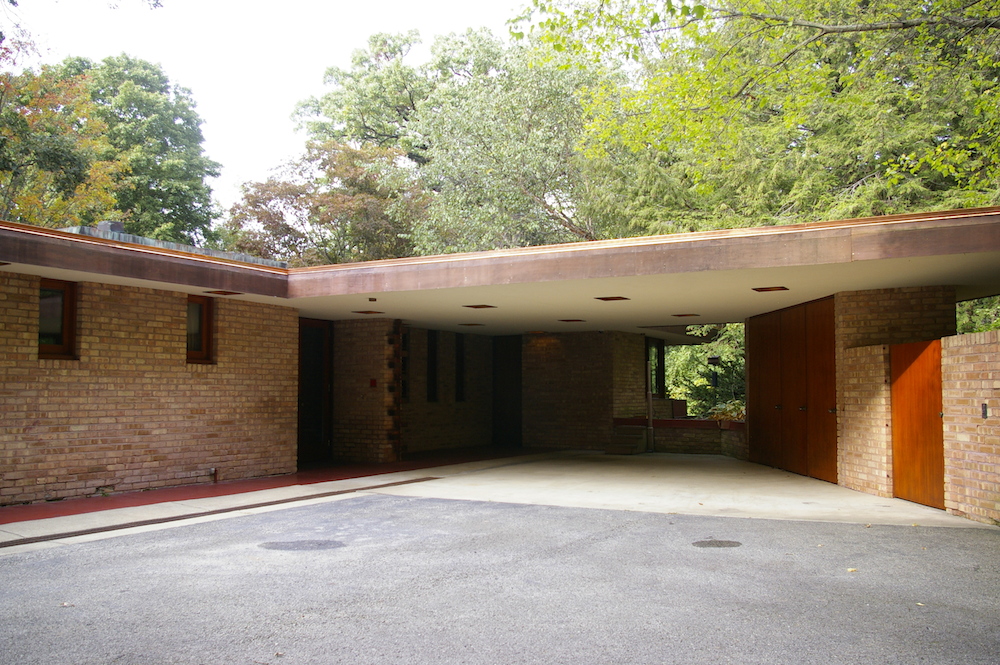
x=338, y=204
x=756, y=112
x=153, y=126
x=55, y=169
x=689, y=376
x=979, y=315
x=492, y=129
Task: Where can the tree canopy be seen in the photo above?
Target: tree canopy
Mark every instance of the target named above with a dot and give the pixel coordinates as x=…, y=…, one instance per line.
x=152, y=125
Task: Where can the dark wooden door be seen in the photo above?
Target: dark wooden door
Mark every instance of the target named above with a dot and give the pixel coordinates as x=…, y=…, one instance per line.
x=917, y=429
x=315, y=374
x=821, y=435
x=764, y=388
x=794, y=391
x=507, y=391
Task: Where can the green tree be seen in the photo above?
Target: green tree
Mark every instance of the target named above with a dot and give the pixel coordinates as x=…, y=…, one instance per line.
x=53, y=165
x=689, y=376
x=337, y=205
x=152, y=125
x=978, y=315
x=756, y=112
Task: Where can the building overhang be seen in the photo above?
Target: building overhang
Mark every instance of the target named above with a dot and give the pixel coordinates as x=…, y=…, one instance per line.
x=657, y=282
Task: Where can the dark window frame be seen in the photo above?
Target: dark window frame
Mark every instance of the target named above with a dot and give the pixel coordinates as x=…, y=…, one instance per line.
x=205, y=354
x=459, y=367
x=66, y=350
x=432, y=366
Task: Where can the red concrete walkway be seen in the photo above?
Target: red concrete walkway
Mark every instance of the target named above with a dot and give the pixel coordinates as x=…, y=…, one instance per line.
x=37, y=511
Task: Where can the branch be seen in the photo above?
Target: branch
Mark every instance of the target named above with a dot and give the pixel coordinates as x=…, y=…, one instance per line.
x=827, y=29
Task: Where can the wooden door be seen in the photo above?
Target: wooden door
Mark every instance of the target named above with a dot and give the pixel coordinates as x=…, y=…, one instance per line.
x=315, y=442
x=917, y=430
x=763, y=342
x=794, y=391
x=821, y=436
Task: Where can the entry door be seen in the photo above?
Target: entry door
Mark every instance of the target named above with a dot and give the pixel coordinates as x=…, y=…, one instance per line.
x=315, y=416
x=917, y=429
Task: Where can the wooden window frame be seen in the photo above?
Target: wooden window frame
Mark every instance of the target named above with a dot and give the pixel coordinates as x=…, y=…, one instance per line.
x=67, y=349
x=205, y=355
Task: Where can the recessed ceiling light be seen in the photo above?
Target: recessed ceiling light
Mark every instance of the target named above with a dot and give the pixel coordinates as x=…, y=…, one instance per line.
x=572, y=321
x=4, y=263
x=225, y=293
x=470, y=324
x=367, y=311
x=681, y=316
x=765, y=289
x=610, y=298
x=372, y=299
x=536, y=332
x=480, y=306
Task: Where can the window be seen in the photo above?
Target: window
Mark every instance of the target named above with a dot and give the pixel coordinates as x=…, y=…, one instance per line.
x=459, y=367
x=432, y=366
x=656, y=357
x=199, y=329
x=57, y=319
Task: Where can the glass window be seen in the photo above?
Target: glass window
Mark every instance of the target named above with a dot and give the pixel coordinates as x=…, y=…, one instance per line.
x=199, y=329
x=56, y=319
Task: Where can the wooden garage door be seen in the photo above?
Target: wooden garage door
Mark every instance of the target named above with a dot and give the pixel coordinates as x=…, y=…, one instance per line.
x=917, y=430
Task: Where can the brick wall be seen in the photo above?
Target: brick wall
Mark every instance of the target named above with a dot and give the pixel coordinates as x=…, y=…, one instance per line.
x=130, y=413
x=629, y=370
x=864, y=422
x=568, y=392
x=970, y=373
x=448, y=423
x=870, y=321
x=366, y=398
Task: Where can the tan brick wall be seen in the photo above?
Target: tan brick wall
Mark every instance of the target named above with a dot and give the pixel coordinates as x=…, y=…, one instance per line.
x=366, y=408
x=629, y=367
x=864, y=423
x=131, y=413
x=448, y=423
x=873, y=320
x=688, y=441
x=970, y=373
x=568, y=392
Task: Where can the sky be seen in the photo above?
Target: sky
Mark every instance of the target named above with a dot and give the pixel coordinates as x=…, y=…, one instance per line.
x=246, y=62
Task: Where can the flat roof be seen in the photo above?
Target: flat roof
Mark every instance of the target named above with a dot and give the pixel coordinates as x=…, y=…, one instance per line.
x=648, y=285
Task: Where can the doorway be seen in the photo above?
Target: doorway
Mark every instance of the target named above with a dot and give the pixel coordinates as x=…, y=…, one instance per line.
x=917, y=427
x=315, y=439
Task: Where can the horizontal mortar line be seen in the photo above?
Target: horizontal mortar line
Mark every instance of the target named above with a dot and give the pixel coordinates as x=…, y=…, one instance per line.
x=206, y=513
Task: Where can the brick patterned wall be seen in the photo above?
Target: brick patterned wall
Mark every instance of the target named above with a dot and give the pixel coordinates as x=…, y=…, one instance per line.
x=448, y=423
x=894, y=316
x=864, y=423
x=568, y=390
x=130, y=413
x=970, y=373
x=366, y=399
x=689, y=441
x=873, y=320
x=735, y=444
x=629, y=367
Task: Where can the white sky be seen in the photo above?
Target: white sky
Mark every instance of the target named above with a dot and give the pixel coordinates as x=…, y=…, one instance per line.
x=247, y=63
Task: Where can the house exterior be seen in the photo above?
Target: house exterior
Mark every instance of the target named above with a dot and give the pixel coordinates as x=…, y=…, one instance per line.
x=125, y=366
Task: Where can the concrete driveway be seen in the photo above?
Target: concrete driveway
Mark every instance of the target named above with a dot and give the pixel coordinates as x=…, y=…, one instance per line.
x=574, y=558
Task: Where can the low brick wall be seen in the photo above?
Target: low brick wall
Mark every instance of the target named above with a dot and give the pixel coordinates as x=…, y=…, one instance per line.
x=970, y=373
x=131, y=413
x=694, y=437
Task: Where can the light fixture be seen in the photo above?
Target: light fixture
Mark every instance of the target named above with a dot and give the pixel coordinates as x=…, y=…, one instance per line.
x=224, y=293
x=470, y=324
x=367, y=311
x=766, y=289
x=610, y=298
x=681, y=316
x=572, y=321
x=480, y=306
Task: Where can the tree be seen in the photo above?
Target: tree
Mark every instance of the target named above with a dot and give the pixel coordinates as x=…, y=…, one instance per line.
x=54, y=166
x=689, y=376
x=152, y=124
x=492, y=129
x=338, y=204
x=763, y=113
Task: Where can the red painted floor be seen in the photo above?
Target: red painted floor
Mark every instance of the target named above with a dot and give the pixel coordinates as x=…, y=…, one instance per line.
x=37, y=511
